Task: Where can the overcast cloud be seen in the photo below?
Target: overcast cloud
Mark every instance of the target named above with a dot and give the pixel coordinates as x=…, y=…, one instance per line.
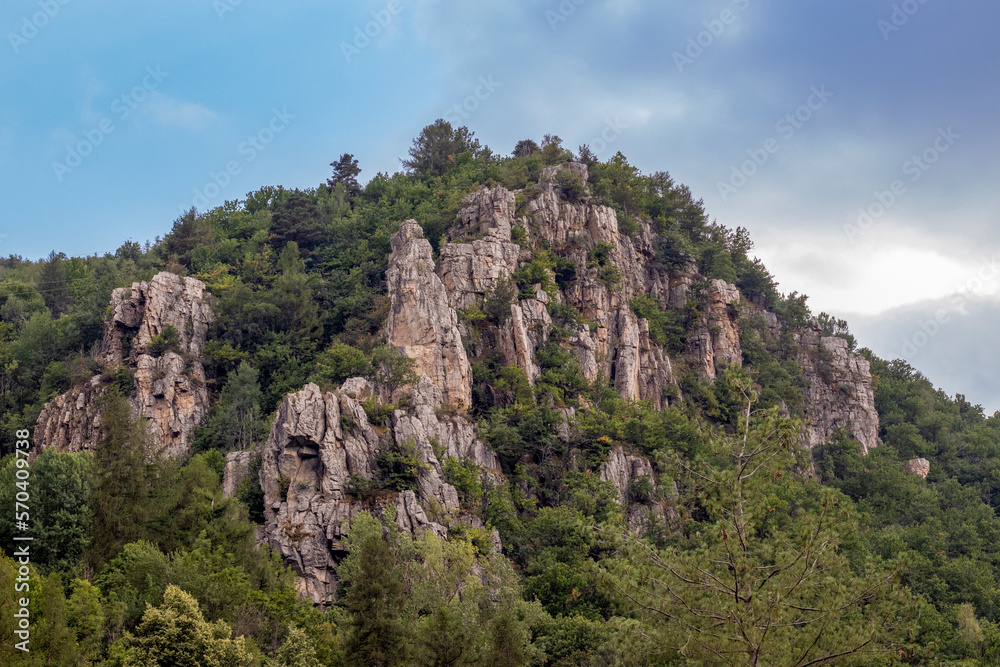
x=856, y=139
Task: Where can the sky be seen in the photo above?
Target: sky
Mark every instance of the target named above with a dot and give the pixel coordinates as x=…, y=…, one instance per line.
x=855, y=139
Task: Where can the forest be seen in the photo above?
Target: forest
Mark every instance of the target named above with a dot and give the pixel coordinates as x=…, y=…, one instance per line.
x=761, y=552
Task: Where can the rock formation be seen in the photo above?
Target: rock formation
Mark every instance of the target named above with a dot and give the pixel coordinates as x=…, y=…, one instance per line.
x=170, y=389
x=611, y=269
x=421, y=321
x=317, y=442
x=480, y=250
x=920, y=467
x=635, y=482
x=716, y=343
x=321, y=448
x=71, y=422
x=839, y=393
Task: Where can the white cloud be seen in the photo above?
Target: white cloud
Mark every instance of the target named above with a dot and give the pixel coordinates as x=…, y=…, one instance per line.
x=166, y=110
x=892, y=266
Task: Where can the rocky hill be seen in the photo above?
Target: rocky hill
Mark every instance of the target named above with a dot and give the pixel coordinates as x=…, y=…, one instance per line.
x=491, y=404
x=168, y=389
x=319, y=441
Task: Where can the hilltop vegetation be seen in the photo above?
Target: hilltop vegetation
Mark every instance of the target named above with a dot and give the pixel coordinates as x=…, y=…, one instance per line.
x=771, y=554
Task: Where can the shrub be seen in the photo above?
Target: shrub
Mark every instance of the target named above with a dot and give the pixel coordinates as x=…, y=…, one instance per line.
x=359, y=487
x=640, y=490
x=337, y=363
x=378, y=413
x=497, y=303
x=665, y=326
x=564, y=270
x=517, y=233
x=566, y=314
x=539, y=271
x=391, y=369
x=168, y=340
x=600, y=255
x=400, y=467
x=464, y=476
x=628, y=225
x=570, y=183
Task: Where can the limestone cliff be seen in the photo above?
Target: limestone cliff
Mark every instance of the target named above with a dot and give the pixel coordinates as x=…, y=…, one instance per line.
x=610, y=268
x=169, y=390
x=839, y=390
x=317, y=442
x=716, y=342
x=634, y=480
x=320, y=445
x=421, y=322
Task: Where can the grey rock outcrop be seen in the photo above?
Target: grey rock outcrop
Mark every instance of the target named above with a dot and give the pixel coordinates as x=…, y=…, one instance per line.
x=320, y=441
x=627, y=473
x=527, y=327
x=71, y=422
x=237, y=469
x=170, y=389
x=642, y=370
x=612, y=268
x=143, y=311
x=839, y=393
x=716, y=343
x=622, y=469
x=921, y=467
x=316, y=443
x=480, y=250
x=421, y=321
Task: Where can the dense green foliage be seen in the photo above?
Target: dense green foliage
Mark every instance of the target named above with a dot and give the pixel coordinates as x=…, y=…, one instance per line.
x=742, y=554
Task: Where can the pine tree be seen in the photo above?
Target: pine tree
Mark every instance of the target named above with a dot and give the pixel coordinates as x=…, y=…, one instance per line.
x=754, y=593
x=375, y=597
x=120, y=498
x=437, y=148
x=346, y=171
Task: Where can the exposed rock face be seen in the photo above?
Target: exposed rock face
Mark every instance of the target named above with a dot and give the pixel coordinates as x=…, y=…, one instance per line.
x=72, y=421
x=170, y=389
x=612, y=268
x=145, y=309
x=839, y=393
x=318, y=441
x=716, y=343
x=453, y=434
x=920, y=467
x=358, y=388
x=626, y=472
x=622, y=469
x=642, y=370
x=471, y=267
x=421, y=321
x=237, y=469
x=527, y=327
x=171, y=394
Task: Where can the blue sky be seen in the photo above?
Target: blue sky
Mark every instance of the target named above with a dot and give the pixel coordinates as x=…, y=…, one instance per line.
x=277, y=91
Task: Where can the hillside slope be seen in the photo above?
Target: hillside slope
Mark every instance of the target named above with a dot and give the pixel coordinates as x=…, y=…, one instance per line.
x=524, y=379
